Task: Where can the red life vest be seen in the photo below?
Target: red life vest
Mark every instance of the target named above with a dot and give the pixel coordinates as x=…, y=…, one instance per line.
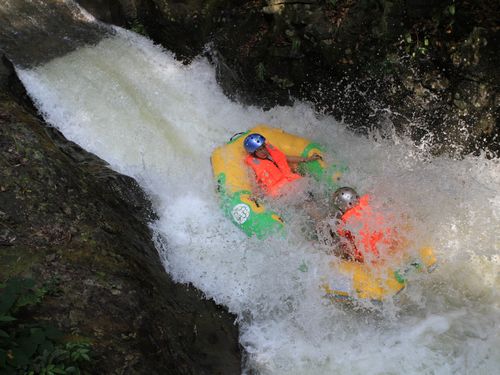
x=272, y=175
x=365, y=229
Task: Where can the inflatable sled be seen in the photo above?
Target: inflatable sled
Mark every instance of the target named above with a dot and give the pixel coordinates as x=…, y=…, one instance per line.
x=235, y=182
x=350, y=280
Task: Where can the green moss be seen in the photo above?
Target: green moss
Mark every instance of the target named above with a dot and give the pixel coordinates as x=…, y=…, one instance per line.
x=16, y=261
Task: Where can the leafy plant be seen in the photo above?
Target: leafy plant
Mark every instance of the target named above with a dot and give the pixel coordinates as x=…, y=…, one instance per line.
x=137, y=27
x=416, y=47
x=62, y=360
x=30, y=348
x=449, y=12
x=451, y=9
x=282, y=83
x=296, y=45
x=260, y=71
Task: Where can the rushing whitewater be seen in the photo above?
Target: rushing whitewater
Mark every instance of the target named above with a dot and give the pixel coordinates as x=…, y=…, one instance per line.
x=158, y=121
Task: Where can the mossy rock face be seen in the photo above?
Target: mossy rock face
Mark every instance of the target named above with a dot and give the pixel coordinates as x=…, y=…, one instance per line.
x=368, y=62
x=69, y=222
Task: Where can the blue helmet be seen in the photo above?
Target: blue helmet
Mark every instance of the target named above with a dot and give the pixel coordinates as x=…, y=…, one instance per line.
x=253, y=142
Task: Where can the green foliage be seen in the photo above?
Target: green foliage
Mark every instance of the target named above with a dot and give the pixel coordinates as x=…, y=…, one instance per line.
x=137, y=27
x=451, y=9
x=17, y=293
x=282, y=83
x=30, y=348
x=296, y=45
x=260, y=71
x=449, y=17
x=416, y=47
x=61, y=360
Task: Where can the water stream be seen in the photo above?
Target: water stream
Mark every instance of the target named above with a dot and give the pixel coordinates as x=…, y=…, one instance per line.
x=150, y=117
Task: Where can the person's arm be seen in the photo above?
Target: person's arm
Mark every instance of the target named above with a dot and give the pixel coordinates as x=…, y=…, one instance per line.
x=299, y=159
x=294, y=161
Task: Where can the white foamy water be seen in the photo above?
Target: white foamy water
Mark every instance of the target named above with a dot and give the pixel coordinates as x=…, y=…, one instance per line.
x=158, y=121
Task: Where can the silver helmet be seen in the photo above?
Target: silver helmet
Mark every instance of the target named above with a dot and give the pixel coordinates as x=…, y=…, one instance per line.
x=345, y=198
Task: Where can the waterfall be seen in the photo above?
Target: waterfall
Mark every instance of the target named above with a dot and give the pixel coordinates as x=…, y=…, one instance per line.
x=150, y=117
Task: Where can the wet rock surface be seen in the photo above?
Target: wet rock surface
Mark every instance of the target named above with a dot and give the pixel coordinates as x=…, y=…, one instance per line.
x=34, y=32
x=430, y=70
x=71, y=223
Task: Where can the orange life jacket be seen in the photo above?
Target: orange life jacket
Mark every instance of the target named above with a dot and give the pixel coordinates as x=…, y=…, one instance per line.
x=272, y=175
x=365, y=229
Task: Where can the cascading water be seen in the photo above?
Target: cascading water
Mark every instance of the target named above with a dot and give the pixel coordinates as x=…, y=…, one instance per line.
x=157, y=120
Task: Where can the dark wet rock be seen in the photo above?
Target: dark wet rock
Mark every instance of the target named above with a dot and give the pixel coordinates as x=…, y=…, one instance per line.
x=34, y=32
x=429, y=69
x=79, y=228
x=116, y=12
x=184, y=27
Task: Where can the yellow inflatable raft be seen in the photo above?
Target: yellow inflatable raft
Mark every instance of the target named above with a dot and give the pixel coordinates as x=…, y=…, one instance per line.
x=348, y=280
x=235, y=183
x=351, y=280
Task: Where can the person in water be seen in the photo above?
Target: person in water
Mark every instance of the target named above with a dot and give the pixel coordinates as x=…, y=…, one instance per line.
x=273, y=169
x=356, y=231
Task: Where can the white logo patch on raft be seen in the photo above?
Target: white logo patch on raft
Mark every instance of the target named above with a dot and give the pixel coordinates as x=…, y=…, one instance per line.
x=240, y=213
